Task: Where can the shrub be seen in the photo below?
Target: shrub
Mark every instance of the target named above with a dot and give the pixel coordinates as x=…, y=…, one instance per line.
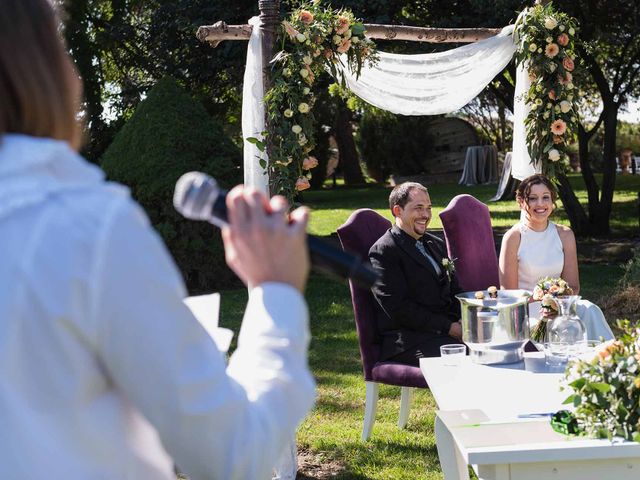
x=393, y=144
x=171, y=133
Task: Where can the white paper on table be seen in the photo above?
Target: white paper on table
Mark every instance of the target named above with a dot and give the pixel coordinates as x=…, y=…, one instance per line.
x=206, y=309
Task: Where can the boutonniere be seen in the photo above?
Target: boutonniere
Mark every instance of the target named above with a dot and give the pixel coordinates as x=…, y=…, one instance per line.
x=449, y=266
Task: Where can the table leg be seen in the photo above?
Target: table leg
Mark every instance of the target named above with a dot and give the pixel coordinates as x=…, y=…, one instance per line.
x=451, y=461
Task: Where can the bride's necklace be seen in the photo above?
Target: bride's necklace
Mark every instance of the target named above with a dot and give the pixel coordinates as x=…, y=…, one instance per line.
x=536, y=228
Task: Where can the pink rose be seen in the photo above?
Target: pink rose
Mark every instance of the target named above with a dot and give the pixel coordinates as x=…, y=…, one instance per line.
x=343, y=25
x=567, y=63
x=302, y=184
x=563, y=39
x=292, y=32
x=344, y=46
x=309, y=163
x=558, y=127
x=328, y=54
x=551, y=50
x=306, y=17
x=552, y=94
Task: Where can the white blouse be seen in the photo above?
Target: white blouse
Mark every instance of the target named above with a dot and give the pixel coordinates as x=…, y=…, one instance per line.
x=104, y=372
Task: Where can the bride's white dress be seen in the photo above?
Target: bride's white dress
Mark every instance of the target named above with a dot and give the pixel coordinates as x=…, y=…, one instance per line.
x=541, y=255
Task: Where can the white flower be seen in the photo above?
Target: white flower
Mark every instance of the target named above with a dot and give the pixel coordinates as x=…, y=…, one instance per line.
x=557, y=109
x=296, y=129
x=286, y=72
x=303, y=108
x=337, y=39
x=307, y=60
x=549, y=39
x=304, y=73
x=552, y=67
x=533, y=106
x=301, y=37
x=533, y=47
x=539, y=50
x=348, y=34
x=302, y=140
x=545, y=115
x=570, y=98
x=354, y=40
x=554, y=155
x=561, y=28
x=565, y=106
x=570, y=86
x=538, y=101
x=572, y=31
x=550, y=23
x=288, y=113
x=549, y=105
x=306, y=90
x=573, y=119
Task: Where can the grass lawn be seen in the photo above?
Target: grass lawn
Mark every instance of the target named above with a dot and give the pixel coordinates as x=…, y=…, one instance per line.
x=331, y=432
x=330, y=208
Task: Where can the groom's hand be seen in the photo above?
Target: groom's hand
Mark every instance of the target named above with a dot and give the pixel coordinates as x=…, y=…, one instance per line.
x=455, y=330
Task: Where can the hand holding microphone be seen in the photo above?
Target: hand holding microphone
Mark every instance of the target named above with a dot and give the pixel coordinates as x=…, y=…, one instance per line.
x=198, y=197
x=261, y=244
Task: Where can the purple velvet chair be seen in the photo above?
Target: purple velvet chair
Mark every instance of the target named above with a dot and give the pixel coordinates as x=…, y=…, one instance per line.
x=357, y=235
x=469, y=238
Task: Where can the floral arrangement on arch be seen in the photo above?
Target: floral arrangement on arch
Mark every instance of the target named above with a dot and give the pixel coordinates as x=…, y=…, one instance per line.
x=606, y=388
x=545, y=292
x=312, y=40
x=545, y=40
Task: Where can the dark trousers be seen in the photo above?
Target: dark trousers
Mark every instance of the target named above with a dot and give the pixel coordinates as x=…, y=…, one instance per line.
x=427, y=348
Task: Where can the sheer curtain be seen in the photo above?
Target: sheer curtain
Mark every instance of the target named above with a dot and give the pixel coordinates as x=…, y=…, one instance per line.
x=433, y=83
x=426, y=84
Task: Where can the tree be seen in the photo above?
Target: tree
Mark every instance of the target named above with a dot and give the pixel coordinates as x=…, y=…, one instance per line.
x=610, y=31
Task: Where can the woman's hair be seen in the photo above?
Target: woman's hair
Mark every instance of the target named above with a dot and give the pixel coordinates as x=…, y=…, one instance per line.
x=39, y=88
x=524, y=189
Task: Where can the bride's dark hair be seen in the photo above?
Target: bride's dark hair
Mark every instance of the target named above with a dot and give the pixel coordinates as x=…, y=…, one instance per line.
x=524, y=189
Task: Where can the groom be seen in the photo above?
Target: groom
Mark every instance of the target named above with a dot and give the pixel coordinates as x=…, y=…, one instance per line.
x=417, y=311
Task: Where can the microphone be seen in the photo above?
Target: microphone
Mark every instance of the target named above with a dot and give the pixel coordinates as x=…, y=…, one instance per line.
x=197, y=196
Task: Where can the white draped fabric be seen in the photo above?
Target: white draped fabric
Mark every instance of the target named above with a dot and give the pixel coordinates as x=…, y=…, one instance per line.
x=433, y=83
x=521, y=166
x=253, y=112
x=425, y=84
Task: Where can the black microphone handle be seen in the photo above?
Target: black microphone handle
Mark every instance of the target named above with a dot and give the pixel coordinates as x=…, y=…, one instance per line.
x=323, y=256
x=329, y=259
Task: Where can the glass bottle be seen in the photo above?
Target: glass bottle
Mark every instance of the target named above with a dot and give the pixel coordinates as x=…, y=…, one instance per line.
x=567, y=334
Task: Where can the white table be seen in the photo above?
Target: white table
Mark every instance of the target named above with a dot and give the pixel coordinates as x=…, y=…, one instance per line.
x=478, y=425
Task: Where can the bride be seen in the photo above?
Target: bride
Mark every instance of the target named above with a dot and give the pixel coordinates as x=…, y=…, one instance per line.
x=536, y=247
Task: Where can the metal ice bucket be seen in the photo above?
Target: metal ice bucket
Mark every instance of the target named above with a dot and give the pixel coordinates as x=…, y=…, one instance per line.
x=495, y=329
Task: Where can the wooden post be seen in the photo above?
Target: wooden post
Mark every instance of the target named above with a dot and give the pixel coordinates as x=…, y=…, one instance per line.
x=270, y=19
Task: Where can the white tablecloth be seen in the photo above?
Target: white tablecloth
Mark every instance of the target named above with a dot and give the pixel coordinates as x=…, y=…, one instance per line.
x=480, y=165
x=589, y=313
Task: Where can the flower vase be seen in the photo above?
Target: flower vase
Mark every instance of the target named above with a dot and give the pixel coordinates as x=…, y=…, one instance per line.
x=567, y=330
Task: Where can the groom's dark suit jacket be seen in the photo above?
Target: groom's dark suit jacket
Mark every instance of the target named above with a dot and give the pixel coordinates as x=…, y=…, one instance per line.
x=414, y=302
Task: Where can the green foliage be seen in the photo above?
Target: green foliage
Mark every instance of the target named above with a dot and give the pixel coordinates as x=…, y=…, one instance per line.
x=311, y=41
x=169, y=134
x=631, y=276
x=606, y=389
x=545, y=42
x=393, y=144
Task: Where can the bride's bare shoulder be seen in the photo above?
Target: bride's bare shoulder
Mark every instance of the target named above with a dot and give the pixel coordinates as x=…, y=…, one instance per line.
x=565, y=232
x=512, y=235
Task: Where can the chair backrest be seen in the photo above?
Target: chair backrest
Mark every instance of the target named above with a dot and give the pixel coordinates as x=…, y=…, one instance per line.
x=361, y=230
x=469, y=237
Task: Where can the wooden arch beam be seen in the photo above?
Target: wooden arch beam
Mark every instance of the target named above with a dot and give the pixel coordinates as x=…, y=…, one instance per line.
x=219, y=31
